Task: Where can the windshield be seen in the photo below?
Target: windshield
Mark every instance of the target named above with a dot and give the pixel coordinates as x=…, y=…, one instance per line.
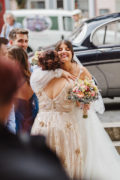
x=78, y=35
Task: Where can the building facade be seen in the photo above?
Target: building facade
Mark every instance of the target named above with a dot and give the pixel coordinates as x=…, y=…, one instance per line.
x=105, y=7
x=59, y=4
x=51, y=4
x=90, y=8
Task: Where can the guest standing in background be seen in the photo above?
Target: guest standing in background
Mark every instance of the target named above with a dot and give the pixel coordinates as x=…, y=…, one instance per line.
x=26, y=104
x=9, y=24
x=77, y=17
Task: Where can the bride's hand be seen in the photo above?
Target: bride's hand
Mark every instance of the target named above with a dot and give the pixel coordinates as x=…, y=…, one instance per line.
x=68, y=76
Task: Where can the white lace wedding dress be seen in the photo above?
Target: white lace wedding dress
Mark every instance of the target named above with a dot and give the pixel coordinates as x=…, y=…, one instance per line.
x=83, y=146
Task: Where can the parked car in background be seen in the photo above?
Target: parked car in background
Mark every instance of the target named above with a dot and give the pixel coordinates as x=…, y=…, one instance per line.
x=45, y=26
x=97, y=45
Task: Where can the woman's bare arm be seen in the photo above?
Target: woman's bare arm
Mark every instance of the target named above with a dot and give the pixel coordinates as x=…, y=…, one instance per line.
x=85, y=74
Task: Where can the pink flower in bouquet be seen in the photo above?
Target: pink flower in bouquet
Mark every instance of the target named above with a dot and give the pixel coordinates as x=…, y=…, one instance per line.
x=75, y=89
x=87, y=89
x=93, y=93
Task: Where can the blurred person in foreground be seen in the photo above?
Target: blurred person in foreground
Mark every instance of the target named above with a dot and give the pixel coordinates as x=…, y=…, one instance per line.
x=77, y=17
x=10, y=24
x=26, y=103
x=22, y=157
x=11, y=118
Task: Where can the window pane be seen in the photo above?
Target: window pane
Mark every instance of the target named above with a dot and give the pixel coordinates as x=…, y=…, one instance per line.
x=38, y=5
x=67, y=23
x=54, y=20
x=98, y=36
x=113, y=33
x=104, y=11
x=76, y=4
x=59, y=3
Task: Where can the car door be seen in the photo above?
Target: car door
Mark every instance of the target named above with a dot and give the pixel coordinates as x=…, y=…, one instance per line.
x=108, y=58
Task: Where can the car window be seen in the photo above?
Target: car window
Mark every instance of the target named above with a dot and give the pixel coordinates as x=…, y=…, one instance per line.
x=67, y=23
x=113, y=33
x=108, y=34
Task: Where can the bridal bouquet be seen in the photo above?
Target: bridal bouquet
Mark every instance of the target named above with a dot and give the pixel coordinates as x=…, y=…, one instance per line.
x=84, y=91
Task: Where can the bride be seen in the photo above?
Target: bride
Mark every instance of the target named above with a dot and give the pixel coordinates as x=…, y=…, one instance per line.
x=82, y=144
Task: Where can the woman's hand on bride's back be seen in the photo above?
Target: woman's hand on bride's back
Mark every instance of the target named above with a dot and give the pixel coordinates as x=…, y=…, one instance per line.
x=68, y=76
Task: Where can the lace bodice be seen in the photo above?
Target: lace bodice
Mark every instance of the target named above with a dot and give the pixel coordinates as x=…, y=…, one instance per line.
x=60, y=103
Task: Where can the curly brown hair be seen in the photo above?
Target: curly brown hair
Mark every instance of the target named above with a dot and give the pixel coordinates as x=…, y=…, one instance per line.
x=49, y=60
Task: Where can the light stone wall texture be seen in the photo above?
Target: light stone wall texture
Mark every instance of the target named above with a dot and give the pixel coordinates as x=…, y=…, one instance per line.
x=105, y=4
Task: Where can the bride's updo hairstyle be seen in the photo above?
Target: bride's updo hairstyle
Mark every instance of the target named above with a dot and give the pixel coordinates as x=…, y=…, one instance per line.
x=49, y=60
x=68, y=44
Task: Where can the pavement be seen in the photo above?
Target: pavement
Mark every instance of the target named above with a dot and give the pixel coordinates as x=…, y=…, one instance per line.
x=112, y=111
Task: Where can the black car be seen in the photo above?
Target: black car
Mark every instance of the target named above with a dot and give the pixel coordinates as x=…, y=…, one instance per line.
x=97, y=45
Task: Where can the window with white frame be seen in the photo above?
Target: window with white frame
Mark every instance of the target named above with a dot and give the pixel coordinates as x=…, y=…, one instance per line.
x=60, y=4
x=38, y=4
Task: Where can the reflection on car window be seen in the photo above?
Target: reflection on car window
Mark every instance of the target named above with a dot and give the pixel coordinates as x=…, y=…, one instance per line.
x=113, y=33
x=75, y=32
x=79, y=34
x=98, y=37
x=67, y=23
x=109, y=34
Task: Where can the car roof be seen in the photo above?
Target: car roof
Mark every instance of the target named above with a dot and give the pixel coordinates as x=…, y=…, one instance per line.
x=49, y=12
x=103, y=18
x=97, y=22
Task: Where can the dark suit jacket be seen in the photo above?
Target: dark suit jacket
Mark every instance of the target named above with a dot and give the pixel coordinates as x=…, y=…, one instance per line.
x=27, y=158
